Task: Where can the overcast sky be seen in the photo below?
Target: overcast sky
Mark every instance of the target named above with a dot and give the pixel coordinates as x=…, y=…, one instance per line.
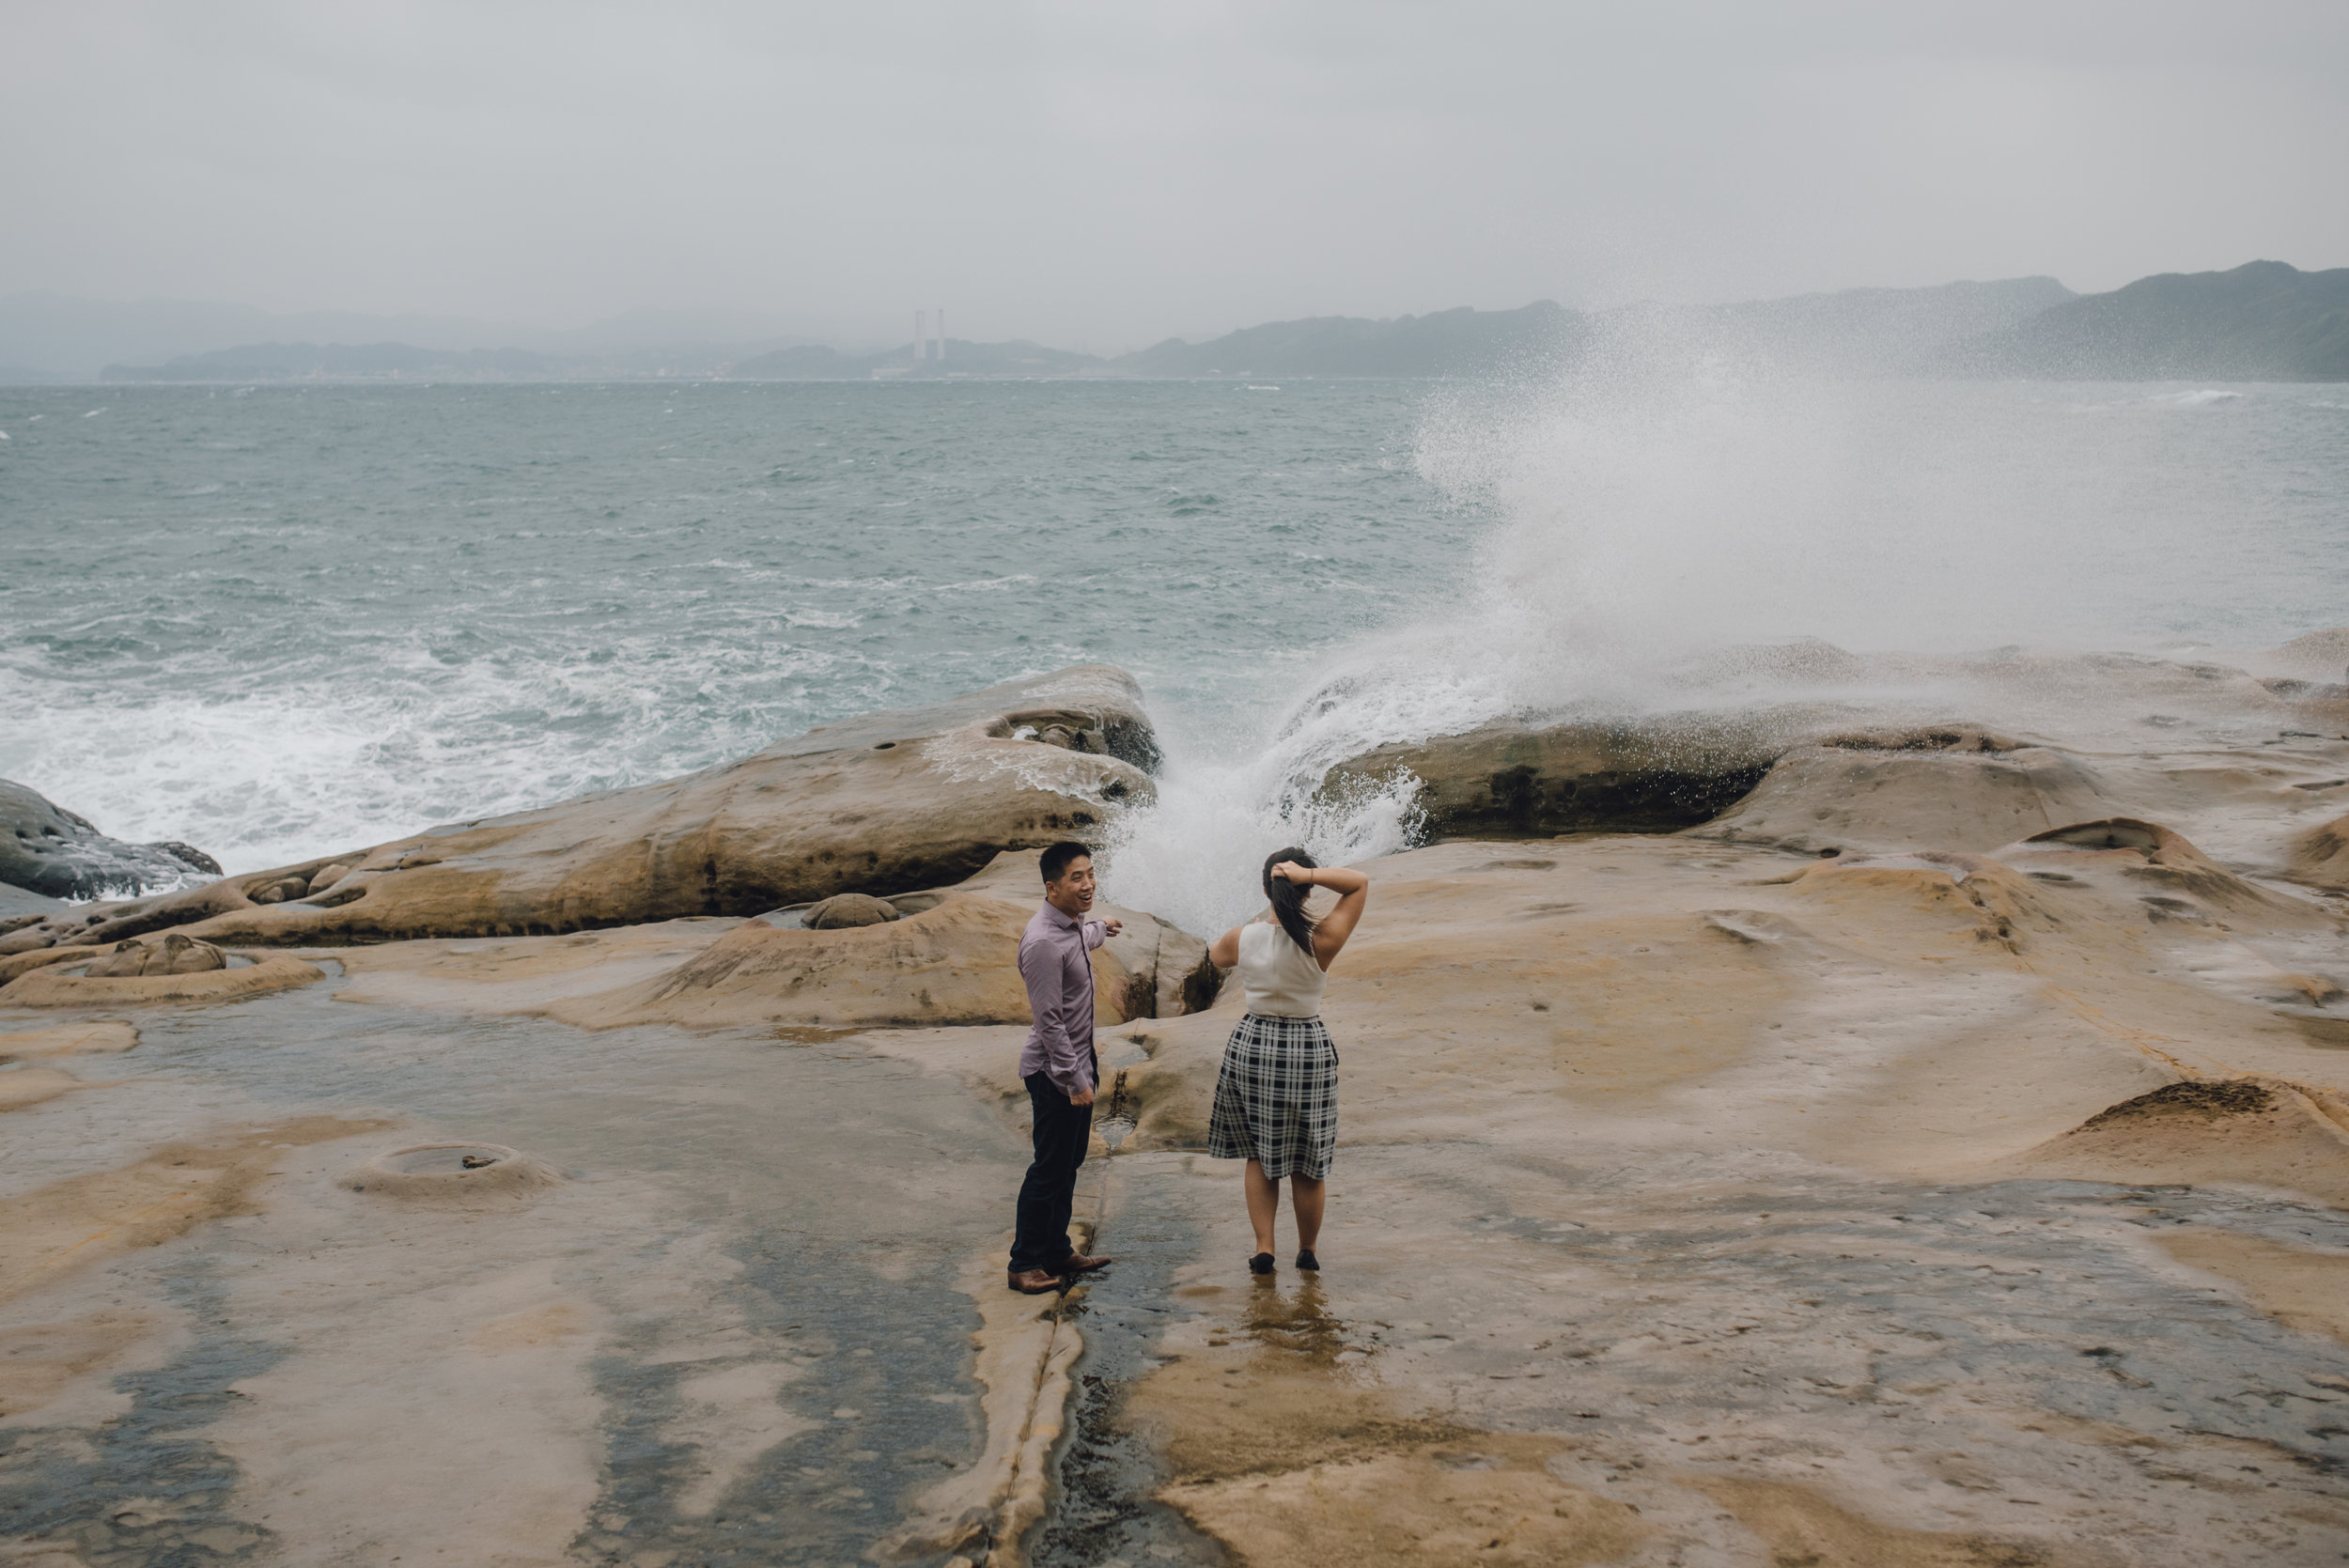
x=1101, y=174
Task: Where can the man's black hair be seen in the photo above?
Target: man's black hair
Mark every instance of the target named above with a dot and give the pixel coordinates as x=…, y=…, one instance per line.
x=1056, y=858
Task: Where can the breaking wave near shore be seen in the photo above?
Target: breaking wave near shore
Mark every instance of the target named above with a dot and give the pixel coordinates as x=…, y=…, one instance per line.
x=1674, y=536
x=229, y=628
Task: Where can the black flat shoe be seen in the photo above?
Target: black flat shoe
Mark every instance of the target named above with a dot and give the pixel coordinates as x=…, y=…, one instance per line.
x=1260, y=1264
x=1306, y=1261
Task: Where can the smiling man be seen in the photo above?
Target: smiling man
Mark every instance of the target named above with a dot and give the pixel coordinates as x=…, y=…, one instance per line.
x=1058, y=1065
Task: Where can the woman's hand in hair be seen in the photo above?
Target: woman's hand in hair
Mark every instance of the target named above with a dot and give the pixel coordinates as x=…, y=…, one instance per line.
x=1289, y=870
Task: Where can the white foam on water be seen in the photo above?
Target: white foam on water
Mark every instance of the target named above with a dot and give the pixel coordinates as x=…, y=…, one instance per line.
x=1196, y=857
x=270, y=768
x=1664, y=506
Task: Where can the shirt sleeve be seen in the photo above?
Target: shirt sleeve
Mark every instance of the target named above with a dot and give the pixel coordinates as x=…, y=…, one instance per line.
x=1096, y=932
x=1040, y=967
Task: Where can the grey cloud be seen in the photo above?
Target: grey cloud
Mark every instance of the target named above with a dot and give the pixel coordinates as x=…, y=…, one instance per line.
x=1102, y=176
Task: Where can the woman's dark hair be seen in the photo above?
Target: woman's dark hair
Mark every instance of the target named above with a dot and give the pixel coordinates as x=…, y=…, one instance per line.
x=1288, y=898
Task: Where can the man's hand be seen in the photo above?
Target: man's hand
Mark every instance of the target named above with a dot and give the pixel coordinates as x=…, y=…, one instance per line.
x=1113, y=926
x=1080, y=1097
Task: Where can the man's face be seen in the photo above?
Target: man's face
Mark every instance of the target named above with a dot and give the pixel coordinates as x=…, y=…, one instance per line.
x=1073, y=894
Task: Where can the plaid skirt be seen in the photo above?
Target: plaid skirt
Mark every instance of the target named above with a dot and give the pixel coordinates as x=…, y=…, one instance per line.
x=1277, y=1098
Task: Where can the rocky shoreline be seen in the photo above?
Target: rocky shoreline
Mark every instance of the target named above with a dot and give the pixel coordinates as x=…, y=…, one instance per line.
x=1821, y=1132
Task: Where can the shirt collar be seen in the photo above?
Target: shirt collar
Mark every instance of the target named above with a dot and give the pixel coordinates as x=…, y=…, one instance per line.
x=1057, y=916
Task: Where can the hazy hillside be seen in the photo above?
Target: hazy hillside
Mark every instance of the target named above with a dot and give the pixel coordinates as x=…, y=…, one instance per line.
x=1880, y=331
x=59, y=337
x=2266, y=320
x=1449, y=343
x=817, y=363
x=283, y=362
x=2263, y=322
x=1855, y=332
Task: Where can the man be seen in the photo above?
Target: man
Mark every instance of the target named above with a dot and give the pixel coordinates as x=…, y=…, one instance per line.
x=1058, y=1065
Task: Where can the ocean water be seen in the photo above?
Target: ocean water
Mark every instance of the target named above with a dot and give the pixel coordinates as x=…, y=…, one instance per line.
x=280, y=621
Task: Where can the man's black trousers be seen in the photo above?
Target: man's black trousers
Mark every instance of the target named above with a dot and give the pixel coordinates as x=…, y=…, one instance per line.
x=1062, y=1133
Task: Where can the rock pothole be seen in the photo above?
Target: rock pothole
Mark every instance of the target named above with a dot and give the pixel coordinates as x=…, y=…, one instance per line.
x=452, y=1172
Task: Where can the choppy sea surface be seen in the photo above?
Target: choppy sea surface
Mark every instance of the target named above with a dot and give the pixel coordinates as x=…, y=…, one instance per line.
x=280, y=621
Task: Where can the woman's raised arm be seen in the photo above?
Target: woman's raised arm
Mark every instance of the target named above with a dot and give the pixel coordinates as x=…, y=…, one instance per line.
x=1224, y=950
x=1353, y=890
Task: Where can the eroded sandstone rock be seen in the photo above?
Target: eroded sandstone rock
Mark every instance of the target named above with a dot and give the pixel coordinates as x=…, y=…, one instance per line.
x=173, y=955
x=2319, y=857
x=1509, y=781
x=154, y=980
x=916, y=797
x=843, y=910
x=2255, y=1129
x=1947, y=788
x=2175, y=881
x=951, y=957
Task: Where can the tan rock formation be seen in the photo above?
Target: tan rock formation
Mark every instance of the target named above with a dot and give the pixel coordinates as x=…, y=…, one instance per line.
x=2303, y=1289
x=25, y=1086
x=1675, y=1213
x=173, y=953
x=83, y=1039
x=2320, y=857
x=951, y=957
x=57, y=985
x=63, y=952
x=1610, y=978
x=889, y=801
x=843, y=910
x=2257, y=1132
x=2169, y=874
x=81, y=1220
x=1952, y=788
x=1508, y=780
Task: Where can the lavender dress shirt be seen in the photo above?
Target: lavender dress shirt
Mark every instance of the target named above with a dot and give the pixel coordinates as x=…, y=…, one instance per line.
x=1054, y=961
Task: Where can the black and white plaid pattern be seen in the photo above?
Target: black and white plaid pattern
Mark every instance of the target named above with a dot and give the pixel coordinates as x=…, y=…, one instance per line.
x=1277, y=1097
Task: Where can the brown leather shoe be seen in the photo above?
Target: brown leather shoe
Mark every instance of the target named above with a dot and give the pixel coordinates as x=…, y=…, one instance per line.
x=1032, y=1281
x=1078, y=1264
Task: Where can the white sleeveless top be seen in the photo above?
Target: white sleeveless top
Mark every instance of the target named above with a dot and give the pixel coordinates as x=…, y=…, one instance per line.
x=1281, y=978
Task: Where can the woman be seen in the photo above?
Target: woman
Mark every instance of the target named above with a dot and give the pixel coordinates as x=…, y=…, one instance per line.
x=1276, y=1102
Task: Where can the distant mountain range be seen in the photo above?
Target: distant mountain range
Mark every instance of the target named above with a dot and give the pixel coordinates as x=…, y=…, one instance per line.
x=57, y=337
x=816, y=363
x=1449, y=343
x=2263, y=322
x=344, y=361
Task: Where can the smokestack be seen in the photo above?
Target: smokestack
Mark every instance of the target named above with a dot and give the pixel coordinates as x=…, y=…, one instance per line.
x=921, y=335
x=941, y=334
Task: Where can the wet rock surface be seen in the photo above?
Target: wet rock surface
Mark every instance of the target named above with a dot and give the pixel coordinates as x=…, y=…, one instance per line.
x=171, y=970
x=50, y=852
x=1970, y=1195
x=675, y=1350
x=1510, y=781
